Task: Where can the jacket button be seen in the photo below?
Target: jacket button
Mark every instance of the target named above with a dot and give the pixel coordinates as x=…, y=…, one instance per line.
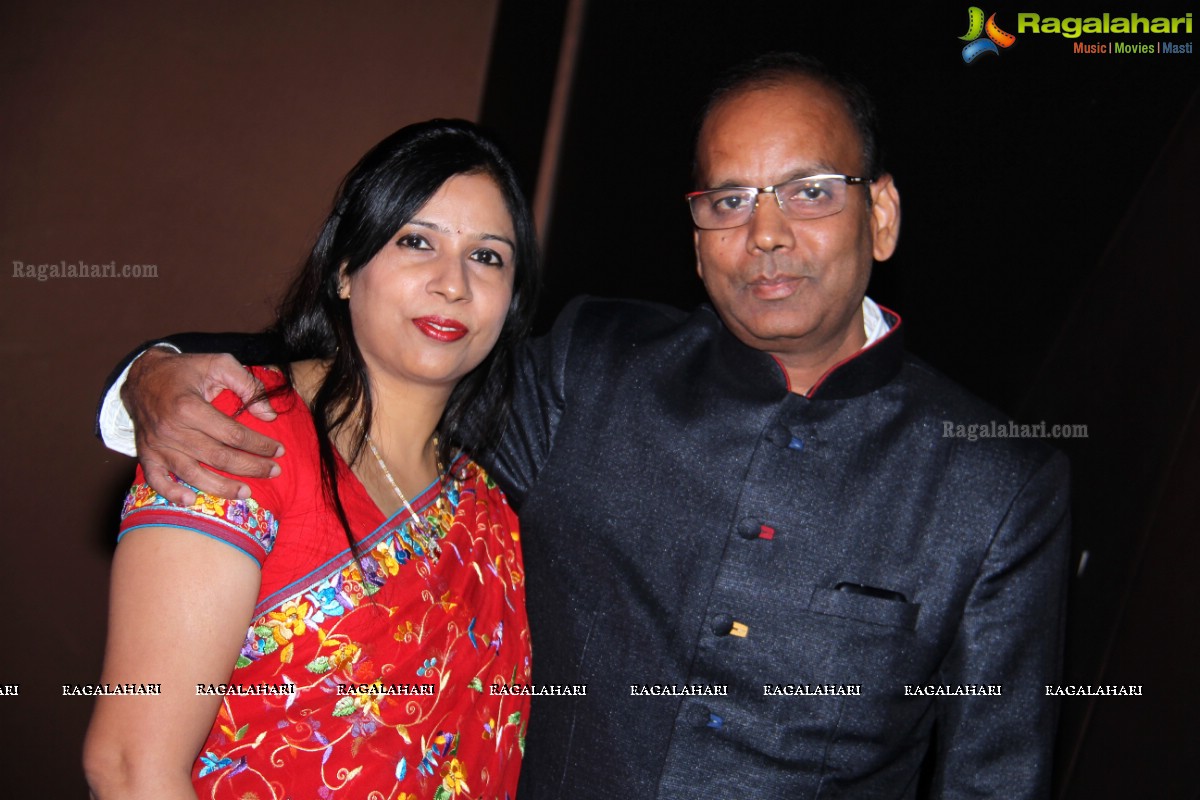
x=796, y=443
x=699, y=714
x=753, y=529
x=779, y=436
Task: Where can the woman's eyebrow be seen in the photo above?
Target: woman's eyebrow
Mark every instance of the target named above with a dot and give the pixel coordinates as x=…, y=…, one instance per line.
x=494, y=237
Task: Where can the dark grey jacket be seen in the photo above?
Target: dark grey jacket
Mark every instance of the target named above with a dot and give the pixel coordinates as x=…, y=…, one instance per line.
x=669, y=485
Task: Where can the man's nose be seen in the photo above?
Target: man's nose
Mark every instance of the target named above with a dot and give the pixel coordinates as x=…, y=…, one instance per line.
x=769, y=229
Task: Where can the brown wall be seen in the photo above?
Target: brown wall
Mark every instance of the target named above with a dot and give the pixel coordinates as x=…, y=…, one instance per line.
x=204, y=139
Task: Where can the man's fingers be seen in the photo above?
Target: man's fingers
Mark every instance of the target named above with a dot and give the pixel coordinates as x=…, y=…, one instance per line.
x=206, y=433
x=236, y=435
x=218, y=443
x=192, y=473
x=159, y=480
x=177, y=428
x=225, y=372
x=261, y=408
x=208, y=481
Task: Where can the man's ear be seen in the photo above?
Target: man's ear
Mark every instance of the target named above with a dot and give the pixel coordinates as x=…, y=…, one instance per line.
x=885, y=217
x=696, y=245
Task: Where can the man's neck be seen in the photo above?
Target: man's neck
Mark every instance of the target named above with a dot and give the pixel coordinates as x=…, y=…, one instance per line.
x=804, y=371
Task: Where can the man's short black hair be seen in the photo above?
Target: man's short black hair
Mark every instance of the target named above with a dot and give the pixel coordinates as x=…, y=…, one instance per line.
x=773, y=69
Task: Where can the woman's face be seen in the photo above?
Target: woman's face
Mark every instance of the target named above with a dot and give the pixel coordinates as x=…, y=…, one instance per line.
x=429, y=306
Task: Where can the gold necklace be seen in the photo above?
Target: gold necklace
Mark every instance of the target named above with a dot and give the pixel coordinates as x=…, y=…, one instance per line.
x=388, y=474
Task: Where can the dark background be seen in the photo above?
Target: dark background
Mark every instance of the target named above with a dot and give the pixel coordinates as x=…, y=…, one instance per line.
x=1047, y=261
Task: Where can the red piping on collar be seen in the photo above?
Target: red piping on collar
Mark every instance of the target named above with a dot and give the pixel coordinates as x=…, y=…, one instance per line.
x=788, y=380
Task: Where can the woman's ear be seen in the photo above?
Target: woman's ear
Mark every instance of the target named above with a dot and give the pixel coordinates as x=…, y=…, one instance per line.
x=343, y=283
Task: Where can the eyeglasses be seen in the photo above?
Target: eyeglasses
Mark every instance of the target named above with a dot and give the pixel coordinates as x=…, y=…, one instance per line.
x=803, y=198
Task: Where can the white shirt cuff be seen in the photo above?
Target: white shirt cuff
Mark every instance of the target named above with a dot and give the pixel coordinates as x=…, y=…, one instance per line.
x=116, y=426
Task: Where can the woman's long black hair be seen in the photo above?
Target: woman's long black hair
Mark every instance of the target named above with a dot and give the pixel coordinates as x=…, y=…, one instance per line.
x=381, y=194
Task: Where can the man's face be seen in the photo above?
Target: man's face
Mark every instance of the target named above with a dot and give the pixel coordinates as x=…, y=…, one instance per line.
x=792, y=288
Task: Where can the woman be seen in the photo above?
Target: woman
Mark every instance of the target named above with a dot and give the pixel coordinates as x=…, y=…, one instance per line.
x=384, y=587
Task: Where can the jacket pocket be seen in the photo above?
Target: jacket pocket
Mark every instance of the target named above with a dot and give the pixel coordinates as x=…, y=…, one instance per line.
x=864, y=608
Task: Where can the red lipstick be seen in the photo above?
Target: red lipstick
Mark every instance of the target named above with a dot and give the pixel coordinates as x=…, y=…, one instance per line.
x=441, y=329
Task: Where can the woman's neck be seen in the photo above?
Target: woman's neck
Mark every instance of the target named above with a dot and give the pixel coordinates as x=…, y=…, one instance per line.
x=403, y=429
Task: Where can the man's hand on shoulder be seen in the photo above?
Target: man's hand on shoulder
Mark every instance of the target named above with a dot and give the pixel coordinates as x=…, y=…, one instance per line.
x=169, y=398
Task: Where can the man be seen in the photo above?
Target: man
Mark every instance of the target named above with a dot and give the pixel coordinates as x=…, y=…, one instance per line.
x=760, y=501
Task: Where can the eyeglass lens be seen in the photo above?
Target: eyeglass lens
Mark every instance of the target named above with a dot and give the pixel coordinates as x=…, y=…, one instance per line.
x=804, y=198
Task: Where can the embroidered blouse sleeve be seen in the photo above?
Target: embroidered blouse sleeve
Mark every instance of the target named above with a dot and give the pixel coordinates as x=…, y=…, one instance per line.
x=250, y=525
x=244, y=524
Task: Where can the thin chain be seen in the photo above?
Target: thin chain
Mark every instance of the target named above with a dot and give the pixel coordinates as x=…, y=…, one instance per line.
x=388, y=474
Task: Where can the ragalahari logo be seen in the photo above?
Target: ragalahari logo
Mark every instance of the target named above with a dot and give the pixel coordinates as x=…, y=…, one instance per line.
x=976, y=27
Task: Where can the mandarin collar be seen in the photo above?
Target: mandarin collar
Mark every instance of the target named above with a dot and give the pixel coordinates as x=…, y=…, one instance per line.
x=862, y=373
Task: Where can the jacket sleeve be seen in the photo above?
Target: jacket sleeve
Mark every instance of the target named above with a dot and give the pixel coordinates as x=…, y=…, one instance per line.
x=1011, y=634
x=252, y=349
x=539, y=401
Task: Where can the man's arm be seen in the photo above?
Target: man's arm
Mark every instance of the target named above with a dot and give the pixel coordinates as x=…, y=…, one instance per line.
x=1011, y=634
x=539, y=401
x=166, y=407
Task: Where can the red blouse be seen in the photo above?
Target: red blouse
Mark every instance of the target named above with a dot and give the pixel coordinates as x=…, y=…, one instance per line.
x=370, y=680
